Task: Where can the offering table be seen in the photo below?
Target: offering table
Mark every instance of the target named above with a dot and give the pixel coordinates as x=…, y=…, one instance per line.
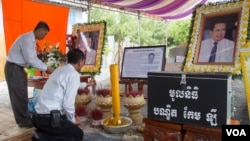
x=129, y=82
x=39, y=82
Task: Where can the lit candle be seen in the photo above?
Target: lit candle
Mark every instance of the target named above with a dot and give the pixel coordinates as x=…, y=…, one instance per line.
x=115, y=90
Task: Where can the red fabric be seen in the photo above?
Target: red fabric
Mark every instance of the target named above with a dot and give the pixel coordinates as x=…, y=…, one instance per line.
x=20, y=16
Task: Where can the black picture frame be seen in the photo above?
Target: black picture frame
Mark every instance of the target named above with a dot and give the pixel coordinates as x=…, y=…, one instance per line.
x=136, y=62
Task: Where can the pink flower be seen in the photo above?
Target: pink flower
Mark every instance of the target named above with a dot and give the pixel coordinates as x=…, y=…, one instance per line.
x=81, y=110
x=81, y=91
x=96, y=114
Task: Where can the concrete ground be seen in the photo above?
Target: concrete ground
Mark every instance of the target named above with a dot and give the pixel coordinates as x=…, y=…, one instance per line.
x=91, y=133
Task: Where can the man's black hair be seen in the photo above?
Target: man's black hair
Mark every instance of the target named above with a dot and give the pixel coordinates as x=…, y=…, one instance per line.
x=75, y=55
x=43, y=25
x=214, y=22
x=151, y=54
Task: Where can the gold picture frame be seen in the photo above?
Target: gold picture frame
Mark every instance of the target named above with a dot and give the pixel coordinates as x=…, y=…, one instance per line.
x=205, y=15
x=245, y=65
x=90, y=39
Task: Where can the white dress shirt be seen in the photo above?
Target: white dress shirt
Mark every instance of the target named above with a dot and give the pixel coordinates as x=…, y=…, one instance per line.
x=90, y=56
x=224, y=53
x=59, y=92
x=23, y=52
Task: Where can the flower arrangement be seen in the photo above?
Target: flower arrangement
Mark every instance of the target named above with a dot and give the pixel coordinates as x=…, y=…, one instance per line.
x=83, y=96
x=51, y=54
x=103, y=92
x=104, y=100
x=134, y=101
x=96, y=114
x=134, y=98
x=71, y=41
x=55, y=56
x=42, y=52
x=189, y=65
x=81, y=110
x=82, y=91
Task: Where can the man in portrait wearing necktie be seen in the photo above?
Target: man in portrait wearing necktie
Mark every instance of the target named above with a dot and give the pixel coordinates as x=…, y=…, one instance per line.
x=217, y=48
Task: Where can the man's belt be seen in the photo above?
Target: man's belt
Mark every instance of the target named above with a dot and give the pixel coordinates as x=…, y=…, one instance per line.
x=42, y=115
x=11, y=63
x=45, y=115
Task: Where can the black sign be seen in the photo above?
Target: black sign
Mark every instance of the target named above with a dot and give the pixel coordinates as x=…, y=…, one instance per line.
x=191, y=98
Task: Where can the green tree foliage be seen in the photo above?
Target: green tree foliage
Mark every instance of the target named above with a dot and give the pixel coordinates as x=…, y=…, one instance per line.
x=152, y=32
x=178, y=32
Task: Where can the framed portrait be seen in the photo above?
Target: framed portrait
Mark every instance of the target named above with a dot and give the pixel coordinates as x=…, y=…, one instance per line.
x=90, y=40
x=245, y=64
x=138, y=61
x=219, y=31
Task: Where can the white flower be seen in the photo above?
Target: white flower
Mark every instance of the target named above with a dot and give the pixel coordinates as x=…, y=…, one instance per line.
x=51, y=61
x=51, y=54
x=57, y=44
x=54, y=56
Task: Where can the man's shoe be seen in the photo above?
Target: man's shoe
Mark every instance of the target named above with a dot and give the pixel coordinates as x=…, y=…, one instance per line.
x=35, y=136
x=25, y=125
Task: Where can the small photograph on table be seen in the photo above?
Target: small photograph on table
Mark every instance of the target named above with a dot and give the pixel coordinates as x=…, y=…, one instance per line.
x=138, y=61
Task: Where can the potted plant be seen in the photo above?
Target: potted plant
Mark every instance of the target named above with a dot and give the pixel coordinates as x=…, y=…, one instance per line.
x=81, y=112
x=96, y=115
x=83, y=96
x=104, y=100
x=134, y=101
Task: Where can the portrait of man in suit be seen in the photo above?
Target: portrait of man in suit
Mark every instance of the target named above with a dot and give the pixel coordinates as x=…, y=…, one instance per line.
x=218, y=44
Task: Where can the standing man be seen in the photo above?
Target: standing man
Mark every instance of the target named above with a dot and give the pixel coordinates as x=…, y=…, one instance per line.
x=55, y=109
x=23, y=54
x=217, y=48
